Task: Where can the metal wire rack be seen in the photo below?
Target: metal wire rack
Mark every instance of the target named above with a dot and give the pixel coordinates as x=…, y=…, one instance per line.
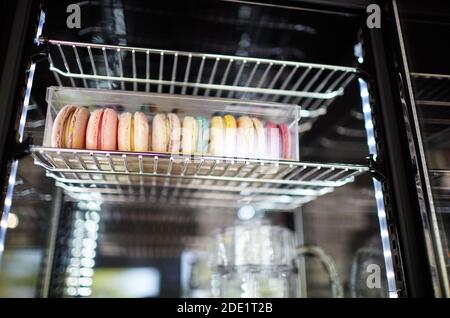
x=432, y=89
x=432, y=95
x=313, y=86
x=190, y=180
x=440, y=180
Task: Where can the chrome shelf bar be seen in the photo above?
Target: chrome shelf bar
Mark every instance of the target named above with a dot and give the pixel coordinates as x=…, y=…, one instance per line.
x=313, y=86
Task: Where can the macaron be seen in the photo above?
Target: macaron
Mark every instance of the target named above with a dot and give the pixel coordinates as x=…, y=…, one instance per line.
x=149, y=139
x=133, y=132
x=101, y=132
x=260, y=138
x=203, y=135
x=174, y=133
x=285, y=141
x=69, y=128
x=189, y=135
x=230, y=135
x=160, y=133
x=216, y=145
x=273, y=146
x=245, y=137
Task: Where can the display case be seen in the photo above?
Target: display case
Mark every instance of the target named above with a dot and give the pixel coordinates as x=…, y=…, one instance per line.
x=334, y=202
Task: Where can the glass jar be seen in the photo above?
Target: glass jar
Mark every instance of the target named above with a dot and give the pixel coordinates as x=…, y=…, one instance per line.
x=253, y=260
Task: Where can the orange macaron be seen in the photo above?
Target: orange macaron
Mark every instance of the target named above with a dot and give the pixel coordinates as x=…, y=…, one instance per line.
x=69, y=128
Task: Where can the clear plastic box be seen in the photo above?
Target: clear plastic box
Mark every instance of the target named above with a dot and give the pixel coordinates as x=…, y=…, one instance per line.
x=239, y=143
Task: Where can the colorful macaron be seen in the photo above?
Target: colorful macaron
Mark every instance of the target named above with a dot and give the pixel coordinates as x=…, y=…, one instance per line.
x=285, y=136
x=230, y=134
x=166, y=133
x=203, y=135
x=101, y=132
x=174, y=127
x=245, y=137
x=133, y=132
x=160, y=133
x=189, y=134
x=216, y=144
x=69, y=128
x=260, y=138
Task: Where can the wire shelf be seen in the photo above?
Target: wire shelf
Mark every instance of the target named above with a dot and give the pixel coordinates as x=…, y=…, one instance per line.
x=432, y=89
x=432, y=95
x=440, y=179
x=313, y=86
x=190, y=180
x=440, y=185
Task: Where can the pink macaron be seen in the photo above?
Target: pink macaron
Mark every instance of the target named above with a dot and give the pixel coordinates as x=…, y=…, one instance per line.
x=101, y=132
x=285, y=141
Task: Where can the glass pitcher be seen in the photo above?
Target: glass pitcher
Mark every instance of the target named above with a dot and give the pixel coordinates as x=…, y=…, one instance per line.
x=253, y=260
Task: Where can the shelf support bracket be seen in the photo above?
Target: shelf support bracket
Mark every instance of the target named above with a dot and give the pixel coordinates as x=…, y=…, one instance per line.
x=376, y=168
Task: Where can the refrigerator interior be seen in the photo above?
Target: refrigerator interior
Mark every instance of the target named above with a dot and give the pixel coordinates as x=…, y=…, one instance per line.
x=137, y=243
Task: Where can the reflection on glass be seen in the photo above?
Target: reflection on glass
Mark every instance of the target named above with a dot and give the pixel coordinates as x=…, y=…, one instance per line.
x=19, y=274
x=126, y=283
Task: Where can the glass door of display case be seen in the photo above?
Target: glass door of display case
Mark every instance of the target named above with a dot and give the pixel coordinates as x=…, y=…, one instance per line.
x=423, y=29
